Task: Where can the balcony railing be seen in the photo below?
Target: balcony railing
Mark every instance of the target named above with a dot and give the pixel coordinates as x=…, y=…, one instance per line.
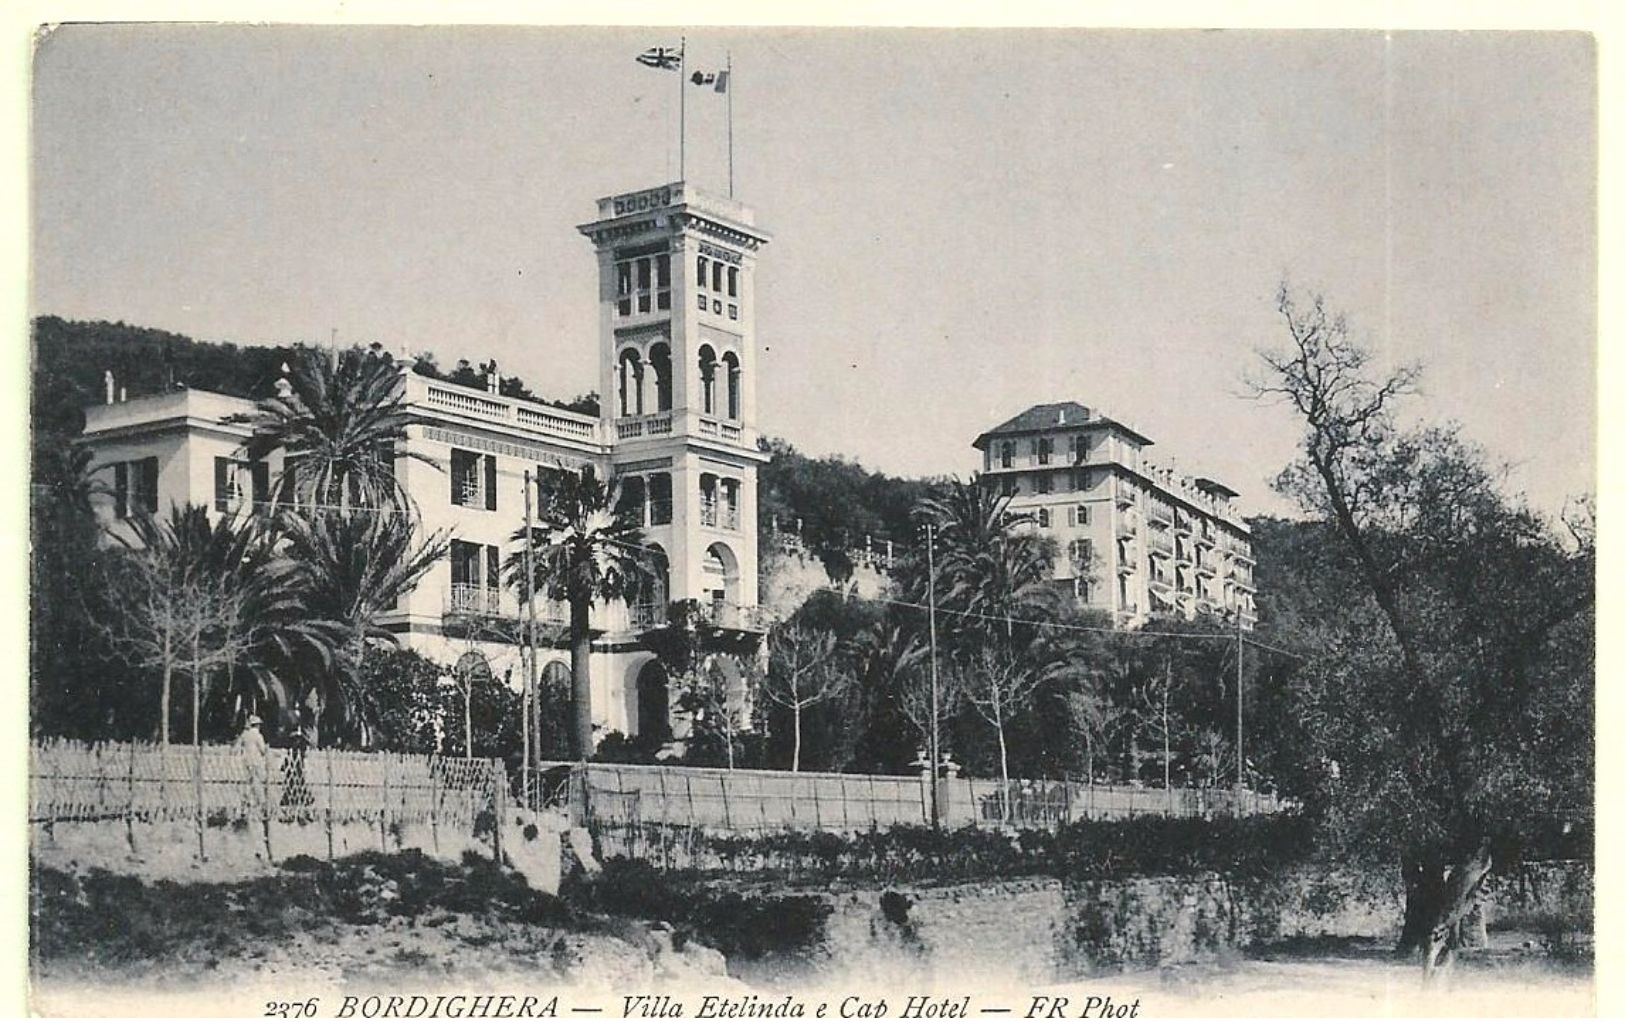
x=716, y=515
x=473, y=598
x=1161, y=544
x=708, y=514
x=734, y=616
x=646, y=617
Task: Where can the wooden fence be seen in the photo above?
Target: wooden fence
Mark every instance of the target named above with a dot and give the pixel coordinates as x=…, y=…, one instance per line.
x=606, y=794
x=222, y=785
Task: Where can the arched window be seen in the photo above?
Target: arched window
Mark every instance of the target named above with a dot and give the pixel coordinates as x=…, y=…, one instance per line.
x=732, y=362
x=708, y=500
x=629, y=383
x=660, y=362
x=708, y=380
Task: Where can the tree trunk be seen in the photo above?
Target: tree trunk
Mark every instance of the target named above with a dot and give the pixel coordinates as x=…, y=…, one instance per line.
x=795, y=753
x=1004, y=771
x=197, y=695
x=1439, y=895
x=163, y=695
x=580, y=674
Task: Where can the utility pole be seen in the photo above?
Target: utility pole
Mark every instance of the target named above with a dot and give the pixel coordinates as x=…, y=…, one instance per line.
x=1167, y=687
x=1241, y=779
x=682, y=108
x=730, y=124
x=931, y=606
x=533, y=720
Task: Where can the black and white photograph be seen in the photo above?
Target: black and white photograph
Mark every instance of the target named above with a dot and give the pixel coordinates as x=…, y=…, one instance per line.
x=715, y=521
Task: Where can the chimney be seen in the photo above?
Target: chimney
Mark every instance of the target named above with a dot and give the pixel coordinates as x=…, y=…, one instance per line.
x=107, y=378
x=493, y=382
x=122, y=396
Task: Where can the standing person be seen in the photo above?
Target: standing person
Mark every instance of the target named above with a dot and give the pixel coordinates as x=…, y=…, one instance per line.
x=251, y=743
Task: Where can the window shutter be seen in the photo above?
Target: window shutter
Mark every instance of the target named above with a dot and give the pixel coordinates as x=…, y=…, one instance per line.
x=1071, y=516
x=149, y=485
x=261, y=481
x=121, y=490
x=490, y=482
x=459, y=465
x=493, y=568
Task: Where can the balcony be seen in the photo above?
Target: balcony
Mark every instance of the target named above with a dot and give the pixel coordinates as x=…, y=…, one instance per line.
x=1161, y=514
x=468, y=403
x=647, y=617
x=729, y=431
x=474, y=599
x=659, y=512
x=1127, y=525
x=716, y=515
x=734, y=617
x=1161, y=545
x=632, y=427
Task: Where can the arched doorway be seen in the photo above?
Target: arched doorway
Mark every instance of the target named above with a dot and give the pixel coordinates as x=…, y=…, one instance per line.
x=553, y=694
x=654, y=702
x=471, y=671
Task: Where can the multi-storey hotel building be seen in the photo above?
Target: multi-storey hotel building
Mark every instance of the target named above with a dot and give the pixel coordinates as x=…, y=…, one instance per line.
x=1135, y=539
x=677, y=352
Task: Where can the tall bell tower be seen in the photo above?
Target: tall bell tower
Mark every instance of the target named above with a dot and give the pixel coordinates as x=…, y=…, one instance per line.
x=677, y=344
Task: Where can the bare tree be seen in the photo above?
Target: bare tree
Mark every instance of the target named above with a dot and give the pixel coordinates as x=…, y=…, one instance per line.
x=803, y=670
x=998, y=684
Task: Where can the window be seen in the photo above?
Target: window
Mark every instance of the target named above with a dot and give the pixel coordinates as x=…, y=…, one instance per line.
x=1082, y=511
x=228, y=491
x=702, y=271
x=623, y=288
x=1042, y=482
x=474, y=480
x=716, y=305
x=660, y=498
x=732, y=362
x=1080, y=479
x=733, y=311
x=708, y=380
x=1007, y=452
x=1009, y=486
x=135, y=487
x=642, y=280
x=1043, y=518
x=716, y=279
x=1080, y=447
x=704, y=304
x=733, y=282
x=1044, y=447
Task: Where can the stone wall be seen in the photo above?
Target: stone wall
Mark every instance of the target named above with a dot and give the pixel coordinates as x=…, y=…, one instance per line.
x=1047, y=930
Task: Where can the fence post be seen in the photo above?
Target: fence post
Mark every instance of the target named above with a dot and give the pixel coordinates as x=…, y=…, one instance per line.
x=688, y=782
x=434, y=802
x=328, y=755
x=265, y=803
x=383, y=807
x=129, y=805
x=197, y=785
x=727, y=814
x=499, y=809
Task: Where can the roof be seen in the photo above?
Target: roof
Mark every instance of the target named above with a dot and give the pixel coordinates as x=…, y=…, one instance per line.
x=1058, y=415
x=1216, y=487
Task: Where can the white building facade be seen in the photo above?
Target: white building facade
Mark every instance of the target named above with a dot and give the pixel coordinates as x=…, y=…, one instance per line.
x=1135, y=539
x=677, y=427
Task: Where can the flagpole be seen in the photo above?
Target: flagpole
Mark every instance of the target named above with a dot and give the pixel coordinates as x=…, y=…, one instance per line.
x=682, y=107
x=730, y=124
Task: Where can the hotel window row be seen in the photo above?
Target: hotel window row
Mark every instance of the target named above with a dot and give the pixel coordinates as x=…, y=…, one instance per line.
x=1041, y=450
x=1076, y=479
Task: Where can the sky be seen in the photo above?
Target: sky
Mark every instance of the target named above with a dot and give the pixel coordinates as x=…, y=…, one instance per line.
x=965, y=223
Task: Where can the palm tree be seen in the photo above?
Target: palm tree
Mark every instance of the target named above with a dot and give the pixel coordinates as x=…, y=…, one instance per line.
x=353, y=566
x=988, y=567
x=338, y=418
x=587, y=547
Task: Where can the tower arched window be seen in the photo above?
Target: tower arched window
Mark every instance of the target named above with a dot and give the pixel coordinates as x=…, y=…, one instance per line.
x=660, y=362
x=708, y=380
x=629, y=383
x=732, y=362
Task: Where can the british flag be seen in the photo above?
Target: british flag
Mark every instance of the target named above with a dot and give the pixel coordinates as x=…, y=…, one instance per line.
x=663, y=58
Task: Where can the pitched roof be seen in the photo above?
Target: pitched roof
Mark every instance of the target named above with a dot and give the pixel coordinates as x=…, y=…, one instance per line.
x=1059, y=414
